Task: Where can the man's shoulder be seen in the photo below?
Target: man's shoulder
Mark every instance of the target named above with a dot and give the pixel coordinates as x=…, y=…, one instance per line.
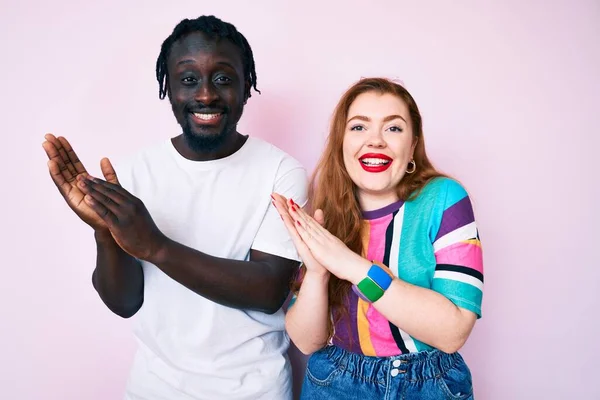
x=267, y=151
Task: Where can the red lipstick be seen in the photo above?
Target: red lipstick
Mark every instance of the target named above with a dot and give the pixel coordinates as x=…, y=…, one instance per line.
x=375, y=167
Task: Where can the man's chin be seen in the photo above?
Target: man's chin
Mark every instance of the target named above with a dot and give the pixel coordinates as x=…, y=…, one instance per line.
x=204, y=142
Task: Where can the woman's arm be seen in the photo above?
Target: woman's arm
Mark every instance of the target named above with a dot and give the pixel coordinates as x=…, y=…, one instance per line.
x=307, y=320
x=423, y=313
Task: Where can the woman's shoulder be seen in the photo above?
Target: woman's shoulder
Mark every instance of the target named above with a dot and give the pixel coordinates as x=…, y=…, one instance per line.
x=441, y=189
x=440, y=198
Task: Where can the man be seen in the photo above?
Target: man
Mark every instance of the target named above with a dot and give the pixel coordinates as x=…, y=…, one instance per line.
x=187, y=237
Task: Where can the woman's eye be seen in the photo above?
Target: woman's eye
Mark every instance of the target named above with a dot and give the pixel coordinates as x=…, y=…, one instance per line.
x=357, y=128
x=395, y=129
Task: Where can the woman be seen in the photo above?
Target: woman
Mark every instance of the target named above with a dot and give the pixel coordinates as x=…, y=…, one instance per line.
x=392, y=279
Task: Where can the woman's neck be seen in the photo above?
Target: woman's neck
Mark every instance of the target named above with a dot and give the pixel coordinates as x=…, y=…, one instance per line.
x=375, y=201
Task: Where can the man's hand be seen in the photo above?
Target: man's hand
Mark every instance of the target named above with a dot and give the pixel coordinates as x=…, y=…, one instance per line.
x=65, y=168
x=126, y=217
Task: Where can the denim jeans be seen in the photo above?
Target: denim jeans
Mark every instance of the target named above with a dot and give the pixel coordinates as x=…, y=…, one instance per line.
x=333, y=373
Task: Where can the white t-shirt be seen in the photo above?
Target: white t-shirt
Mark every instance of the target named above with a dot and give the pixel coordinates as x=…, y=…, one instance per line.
x=190, y=347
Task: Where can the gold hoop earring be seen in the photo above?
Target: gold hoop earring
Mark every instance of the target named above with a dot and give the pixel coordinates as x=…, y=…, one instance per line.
x=414, y=167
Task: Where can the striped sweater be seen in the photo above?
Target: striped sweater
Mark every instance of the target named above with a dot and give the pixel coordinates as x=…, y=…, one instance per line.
x=431, y=242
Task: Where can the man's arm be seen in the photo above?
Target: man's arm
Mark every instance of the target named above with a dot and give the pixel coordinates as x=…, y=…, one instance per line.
x=118, y=277
x=262, y=283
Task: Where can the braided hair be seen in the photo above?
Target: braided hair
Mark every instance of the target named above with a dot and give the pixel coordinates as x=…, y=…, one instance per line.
x=213, y=27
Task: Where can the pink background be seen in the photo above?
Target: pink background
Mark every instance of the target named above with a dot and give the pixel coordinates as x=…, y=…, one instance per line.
x=509, y=91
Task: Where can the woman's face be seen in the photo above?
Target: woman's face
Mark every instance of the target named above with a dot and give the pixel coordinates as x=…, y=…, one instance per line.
x=378, y=145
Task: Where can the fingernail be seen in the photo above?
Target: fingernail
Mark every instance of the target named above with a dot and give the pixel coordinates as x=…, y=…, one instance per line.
x=295, y=207
x=272, y=197
x=298, y=222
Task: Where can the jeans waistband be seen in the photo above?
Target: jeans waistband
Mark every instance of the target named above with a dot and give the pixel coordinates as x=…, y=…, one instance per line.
x=416, y=366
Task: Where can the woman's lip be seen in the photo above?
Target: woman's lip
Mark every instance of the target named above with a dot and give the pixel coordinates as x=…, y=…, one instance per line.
x=375, y=155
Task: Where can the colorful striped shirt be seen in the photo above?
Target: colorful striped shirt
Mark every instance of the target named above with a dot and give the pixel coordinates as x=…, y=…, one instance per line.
x=432, y=242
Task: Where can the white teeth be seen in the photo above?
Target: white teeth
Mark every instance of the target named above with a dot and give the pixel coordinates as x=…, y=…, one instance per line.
x=206, y=117
x=374, y=161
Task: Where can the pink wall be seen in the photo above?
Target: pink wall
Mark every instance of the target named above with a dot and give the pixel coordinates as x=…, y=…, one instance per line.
x=509, y=93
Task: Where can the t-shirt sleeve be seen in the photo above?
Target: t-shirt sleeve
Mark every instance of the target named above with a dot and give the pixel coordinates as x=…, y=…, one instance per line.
x=459, y=263
x=272, y=236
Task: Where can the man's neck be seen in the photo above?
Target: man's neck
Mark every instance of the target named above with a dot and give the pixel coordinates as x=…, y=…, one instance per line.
x=227, y=148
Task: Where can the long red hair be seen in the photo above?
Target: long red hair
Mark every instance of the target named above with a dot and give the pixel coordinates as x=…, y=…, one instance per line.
x=332, y=190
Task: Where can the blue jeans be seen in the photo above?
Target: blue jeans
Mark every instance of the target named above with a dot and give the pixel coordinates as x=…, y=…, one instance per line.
x=333, y=373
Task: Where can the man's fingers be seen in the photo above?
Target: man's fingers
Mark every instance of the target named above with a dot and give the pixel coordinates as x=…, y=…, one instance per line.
x=51, y=139
x=53, y=154
x=103, y=212
x=108, y=171
x=94, y=185
x=112, y=186
x=73, y=159
x=106, y=199
x=63, y=154
x=81, y=184
x=50, y=150
x=59, y=180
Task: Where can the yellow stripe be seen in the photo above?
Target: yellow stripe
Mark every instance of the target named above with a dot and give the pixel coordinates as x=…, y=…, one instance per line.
x=365, y=234
x=475, y=242
x=364, y=336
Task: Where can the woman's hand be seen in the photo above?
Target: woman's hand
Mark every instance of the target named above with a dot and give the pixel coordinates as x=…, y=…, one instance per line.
x=312, y=265
x=327, y=250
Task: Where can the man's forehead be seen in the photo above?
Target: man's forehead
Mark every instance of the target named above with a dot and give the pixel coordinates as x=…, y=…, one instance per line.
x=198, y=43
